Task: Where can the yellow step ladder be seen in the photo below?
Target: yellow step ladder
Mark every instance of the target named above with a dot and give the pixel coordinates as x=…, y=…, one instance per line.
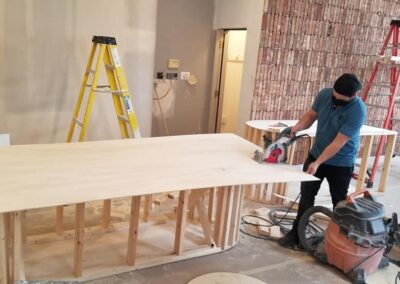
x=107, y=56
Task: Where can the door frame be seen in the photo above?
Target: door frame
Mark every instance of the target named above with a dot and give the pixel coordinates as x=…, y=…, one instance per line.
x=216, y=80
x=215, y=115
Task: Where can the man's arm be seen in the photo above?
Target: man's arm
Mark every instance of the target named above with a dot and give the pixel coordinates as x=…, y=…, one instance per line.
x=305, y=121
x=330, y=151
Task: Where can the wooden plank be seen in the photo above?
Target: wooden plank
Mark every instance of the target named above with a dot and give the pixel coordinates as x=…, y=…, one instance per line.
x=211, y=201
x=133, y=230
x=23, y=226
x=227, y=217
x=219, y=160
x=19, y=264
x=79, y=239
x=367, y=146
x=239, y=215
x=9, y=218
x=59, y=220
x=234, y=219
x=205, y=222
x=220, y=216
x=3, y=251
x=181, y=216
x=147, y=207
x=250, y=134
x=191, y=206
x=390, y=145
x=106, y=218
x=259, y=138
x=246, y=132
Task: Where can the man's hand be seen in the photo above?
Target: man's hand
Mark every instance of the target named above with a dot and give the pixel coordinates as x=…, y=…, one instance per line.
x=312, y=168
x=288, y=131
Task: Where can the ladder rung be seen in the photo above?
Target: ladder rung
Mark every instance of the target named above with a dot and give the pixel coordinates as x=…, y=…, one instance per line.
x=377, y=106
x=389, y=59
x=78, y=121
x=120, y=117
x=98, y=86
x=109, y=66
x=118, y=92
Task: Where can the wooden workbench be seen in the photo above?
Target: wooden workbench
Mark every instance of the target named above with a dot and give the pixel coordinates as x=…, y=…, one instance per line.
x=255, y=129
x=43, y=176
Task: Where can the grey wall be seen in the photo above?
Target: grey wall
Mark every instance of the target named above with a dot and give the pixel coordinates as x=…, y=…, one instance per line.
x=185, y=31
x=44, y=47
x=243, y=14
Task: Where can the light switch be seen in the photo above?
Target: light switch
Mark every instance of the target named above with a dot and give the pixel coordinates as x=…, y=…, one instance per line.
x=185, y=75
x=173, y=63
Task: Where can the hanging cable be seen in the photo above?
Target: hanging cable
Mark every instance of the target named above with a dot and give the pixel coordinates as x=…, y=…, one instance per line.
x=157, y=98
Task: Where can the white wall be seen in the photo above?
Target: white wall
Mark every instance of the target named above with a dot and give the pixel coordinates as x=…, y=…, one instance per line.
x=44, y=47
x=243, y=14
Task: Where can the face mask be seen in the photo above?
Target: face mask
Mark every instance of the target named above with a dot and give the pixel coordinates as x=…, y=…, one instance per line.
x=337, y=102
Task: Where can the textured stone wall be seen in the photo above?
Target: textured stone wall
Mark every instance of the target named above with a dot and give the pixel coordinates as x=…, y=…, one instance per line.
x=306, y=44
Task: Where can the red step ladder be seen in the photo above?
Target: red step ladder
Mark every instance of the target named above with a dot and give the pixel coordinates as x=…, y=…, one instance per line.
x=388, y=56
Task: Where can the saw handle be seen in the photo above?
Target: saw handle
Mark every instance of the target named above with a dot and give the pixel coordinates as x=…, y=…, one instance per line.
x=350, y=197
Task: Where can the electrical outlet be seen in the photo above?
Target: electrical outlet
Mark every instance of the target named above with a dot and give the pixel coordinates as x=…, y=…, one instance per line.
x=171, y=76
x=160, y=75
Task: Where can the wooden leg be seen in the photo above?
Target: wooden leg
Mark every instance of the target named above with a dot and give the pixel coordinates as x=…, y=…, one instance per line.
x=367, y=145
x=79, y=238
x=19, y=264
x=181, y=221
x=106, y=219
x=148, y=203
x=59, y=220
x=390, y=143
x=3, y=251
x=133, y=230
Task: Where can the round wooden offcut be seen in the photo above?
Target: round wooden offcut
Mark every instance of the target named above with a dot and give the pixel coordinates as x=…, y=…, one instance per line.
x=225, y=278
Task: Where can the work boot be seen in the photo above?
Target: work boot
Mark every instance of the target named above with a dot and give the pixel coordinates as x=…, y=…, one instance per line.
x=291, y=239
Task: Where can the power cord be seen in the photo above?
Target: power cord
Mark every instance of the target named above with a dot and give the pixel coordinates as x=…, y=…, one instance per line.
x=281, y=222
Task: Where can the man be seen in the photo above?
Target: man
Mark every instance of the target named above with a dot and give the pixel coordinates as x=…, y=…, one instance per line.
x=340, y=114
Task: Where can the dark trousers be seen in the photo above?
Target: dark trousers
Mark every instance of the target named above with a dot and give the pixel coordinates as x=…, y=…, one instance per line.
x=338, y=179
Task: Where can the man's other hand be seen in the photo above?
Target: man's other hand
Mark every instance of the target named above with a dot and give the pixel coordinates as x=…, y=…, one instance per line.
x=312, y=168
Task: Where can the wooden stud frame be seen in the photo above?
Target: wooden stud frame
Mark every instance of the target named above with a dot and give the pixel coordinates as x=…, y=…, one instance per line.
x=219, y=215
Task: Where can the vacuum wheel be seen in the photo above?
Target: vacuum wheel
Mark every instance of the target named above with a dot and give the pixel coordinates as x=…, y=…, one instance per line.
x=312, y=226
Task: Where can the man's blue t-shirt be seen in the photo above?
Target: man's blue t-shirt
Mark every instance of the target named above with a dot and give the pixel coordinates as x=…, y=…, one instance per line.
x=347, y=120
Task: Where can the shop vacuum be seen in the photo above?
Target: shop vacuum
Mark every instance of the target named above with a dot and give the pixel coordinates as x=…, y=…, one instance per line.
x=358, y=236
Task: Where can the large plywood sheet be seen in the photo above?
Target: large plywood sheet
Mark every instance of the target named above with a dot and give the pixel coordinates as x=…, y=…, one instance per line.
x=35, y=176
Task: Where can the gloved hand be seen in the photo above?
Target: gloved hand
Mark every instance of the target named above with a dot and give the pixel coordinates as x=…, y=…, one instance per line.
x=287, y=132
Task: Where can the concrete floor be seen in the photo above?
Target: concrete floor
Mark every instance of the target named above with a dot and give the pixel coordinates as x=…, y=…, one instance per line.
x=261, y=259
